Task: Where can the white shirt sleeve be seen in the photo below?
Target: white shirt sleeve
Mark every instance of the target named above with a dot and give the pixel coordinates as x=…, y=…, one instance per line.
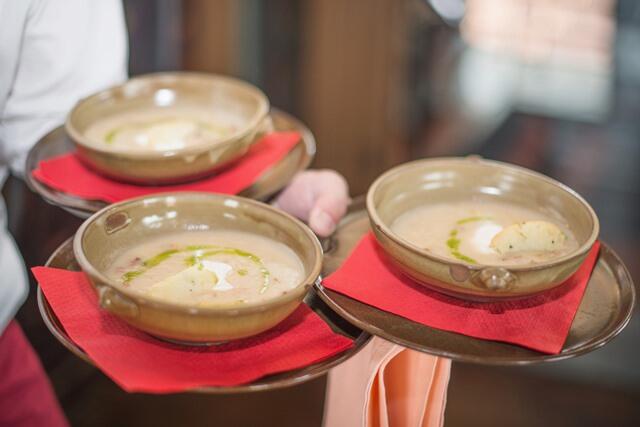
x=52, y=53
x=67, y=50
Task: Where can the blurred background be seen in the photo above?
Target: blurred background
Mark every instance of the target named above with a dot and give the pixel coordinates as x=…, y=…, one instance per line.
x=553, y=85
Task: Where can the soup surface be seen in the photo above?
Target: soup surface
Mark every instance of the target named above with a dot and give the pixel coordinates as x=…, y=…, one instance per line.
x=486, y=232
x=161, y=129
x=209, y=268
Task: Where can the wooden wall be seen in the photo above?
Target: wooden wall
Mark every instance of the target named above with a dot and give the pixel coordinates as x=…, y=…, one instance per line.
x=210, y=35
x=349, y=79
x=353, y=85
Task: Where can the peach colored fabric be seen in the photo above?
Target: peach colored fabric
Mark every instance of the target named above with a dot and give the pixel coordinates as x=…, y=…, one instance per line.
x=386, y=385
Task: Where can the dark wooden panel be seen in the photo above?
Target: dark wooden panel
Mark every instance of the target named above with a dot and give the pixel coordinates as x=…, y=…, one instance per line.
x=210, y=33
x=353, y=91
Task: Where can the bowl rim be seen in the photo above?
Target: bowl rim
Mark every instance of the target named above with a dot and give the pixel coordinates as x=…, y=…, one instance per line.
x=169, y=78
x=386, y=231
x=296, y=293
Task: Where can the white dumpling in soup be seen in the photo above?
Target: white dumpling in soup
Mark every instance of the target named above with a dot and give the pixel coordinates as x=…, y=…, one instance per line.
x=529, y=236
x=203, y=279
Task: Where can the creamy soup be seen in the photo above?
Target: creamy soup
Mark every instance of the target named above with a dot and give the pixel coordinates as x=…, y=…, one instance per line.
x=161, y=129
x=486, y=232
x=209, y=268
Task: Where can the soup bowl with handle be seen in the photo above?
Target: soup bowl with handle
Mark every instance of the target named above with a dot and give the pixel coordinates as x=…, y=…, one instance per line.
x=447, y=180
x=119, y=227
x=163, y=93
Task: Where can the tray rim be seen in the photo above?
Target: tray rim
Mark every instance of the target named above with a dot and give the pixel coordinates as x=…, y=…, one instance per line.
x=315, y=370
x=595, y=343
x=51, y=196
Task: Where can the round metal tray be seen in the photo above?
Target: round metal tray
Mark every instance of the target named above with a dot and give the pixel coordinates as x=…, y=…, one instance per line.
x=605, y=310
x=273, y=180
x=63, y=258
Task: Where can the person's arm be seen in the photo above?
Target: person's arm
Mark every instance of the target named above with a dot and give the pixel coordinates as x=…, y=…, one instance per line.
x=67, y=50
x=52, y=53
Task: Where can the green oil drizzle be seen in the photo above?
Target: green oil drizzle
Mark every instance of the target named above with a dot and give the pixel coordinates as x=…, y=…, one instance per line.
x=472, y=219
x=163, y=256
x=198, y=247
x=266, y=276
x=454, y=247
x=111, y=135
x=196, y=259
x=130, y=275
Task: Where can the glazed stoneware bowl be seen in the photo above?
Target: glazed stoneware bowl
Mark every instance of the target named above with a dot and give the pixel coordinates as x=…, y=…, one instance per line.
x=108, y=233
x=247, y=104
x=452, y=179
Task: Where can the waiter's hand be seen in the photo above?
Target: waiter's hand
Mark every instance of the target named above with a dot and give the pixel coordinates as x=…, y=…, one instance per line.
x=319, y=197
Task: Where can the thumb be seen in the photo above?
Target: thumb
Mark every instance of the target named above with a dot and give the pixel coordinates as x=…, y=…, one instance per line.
x=326, y=213
x=319, y=197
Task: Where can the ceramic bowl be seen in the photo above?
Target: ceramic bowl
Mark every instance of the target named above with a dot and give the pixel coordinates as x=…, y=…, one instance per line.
x=246, y=103
x=451, y=179
x=109, y=232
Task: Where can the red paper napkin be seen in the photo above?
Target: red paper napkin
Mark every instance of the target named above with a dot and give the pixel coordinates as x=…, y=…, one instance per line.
x=141, y=363
x=541, y=322
x=67, y=174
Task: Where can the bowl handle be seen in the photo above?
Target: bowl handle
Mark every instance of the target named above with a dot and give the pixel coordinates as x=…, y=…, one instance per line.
x=495, y=279
x=115, y=303
x=116, y=222
x=265, y=127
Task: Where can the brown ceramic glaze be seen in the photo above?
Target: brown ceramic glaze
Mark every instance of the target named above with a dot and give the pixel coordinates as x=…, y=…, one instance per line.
x=106, y=234
x=191, y=89
x=448, y=179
